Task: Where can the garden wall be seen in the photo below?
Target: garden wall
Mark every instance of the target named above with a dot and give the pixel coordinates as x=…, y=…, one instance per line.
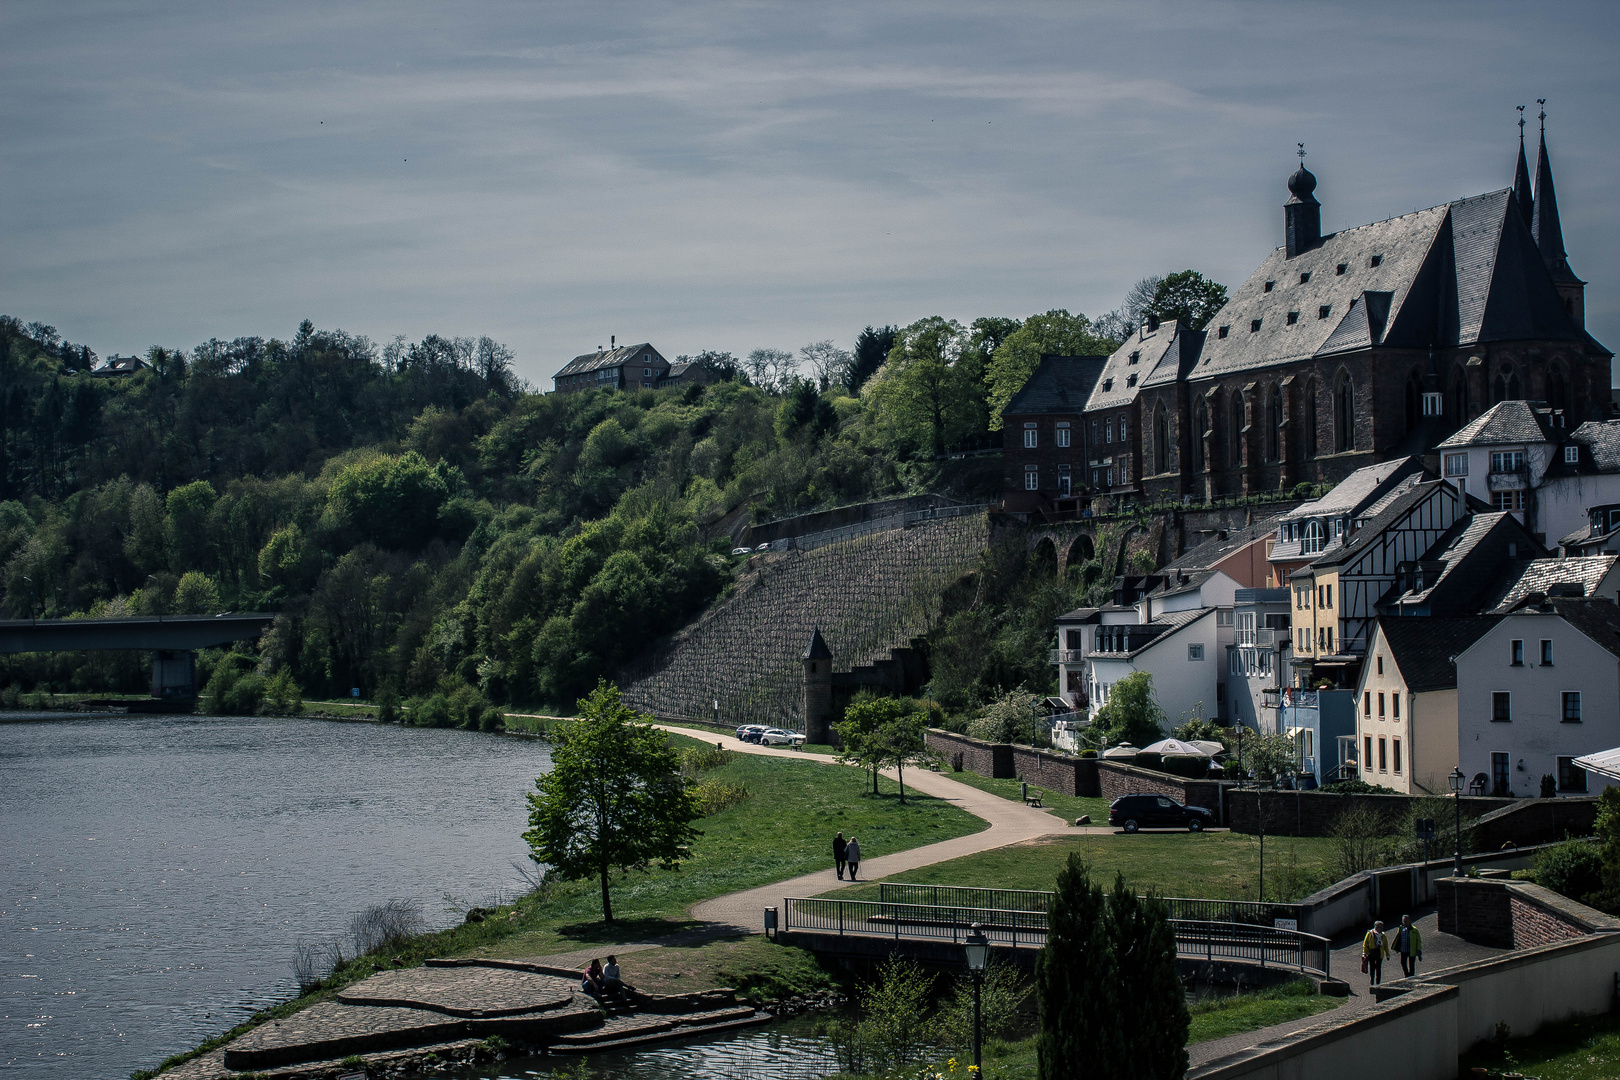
x=993, y=760
x=1535, y=821
x=1315, y=813
x=1083, y=777
x=1513, y=914
x=1115, y=779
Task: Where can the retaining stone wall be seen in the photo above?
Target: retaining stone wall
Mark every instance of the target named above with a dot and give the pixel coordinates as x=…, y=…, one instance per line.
x=1535, y=821
x=1510, y=914
x=1315, y=813
x=993, y=760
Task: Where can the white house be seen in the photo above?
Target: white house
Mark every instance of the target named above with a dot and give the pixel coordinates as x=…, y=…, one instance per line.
x=1179, y=650
x=1540, y=688
x=1257, y=660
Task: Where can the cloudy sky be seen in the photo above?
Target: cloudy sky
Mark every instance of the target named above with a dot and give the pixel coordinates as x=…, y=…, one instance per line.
x=737, y=175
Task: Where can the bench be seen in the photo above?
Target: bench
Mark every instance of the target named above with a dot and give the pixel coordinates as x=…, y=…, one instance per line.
x=1033, y=798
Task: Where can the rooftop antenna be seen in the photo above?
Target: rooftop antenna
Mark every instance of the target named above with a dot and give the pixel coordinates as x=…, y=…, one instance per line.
x=1543, y=117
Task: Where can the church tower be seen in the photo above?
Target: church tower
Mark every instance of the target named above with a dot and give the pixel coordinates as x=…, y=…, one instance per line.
x=818, y=684
x=1302, y=214
x=1549, y=233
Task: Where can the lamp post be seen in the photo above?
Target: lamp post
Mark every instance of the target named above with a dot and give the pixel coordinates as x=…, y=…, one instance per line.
x=1457, y=780
x=1034, y=703
x=977, y=953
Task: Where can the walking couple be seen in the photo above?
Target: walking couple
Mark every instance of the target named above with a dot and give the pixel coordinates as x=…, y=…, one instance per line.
x=1377, y=945
x=846, y=853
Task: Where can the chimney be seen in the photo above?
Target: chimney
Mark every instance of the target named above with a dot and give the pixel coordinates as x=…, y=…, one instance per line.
x=612, y=342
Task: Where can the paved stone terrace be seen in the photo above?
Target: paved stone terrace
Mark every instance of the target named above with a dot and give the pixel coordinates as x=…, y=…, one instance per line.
x=463, y=991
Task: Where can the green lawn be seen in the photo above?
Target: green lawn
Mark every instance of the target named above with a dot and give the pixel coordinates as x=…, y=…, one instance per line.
x=1067, y=807
x=1218, y=866
x=1585, y=1049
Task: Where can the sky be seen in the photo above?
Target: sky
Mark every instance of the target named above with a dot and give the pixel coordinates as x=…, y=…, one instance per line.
x=741, y=175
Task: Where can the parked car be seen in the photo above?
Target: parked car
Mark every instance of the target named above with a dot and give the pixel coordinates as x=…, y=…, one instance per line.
x=1132, y=812
x=751, y=732
x=764, y=547
x=779, y=737
x=742, y=551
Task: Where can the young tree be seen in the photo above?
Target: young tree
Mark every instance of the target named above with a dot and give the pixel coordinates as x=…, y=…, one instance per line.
x=615, y=798
x=1152, y=1006
x=1189, y=297
x=1131, y=714
x=860, y=732
x=1075, y=979
x=900, y=742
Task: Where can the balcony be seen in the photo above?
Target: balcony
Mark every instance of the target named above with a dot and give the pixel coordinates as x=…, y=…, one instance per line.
x=1266, y=639
x=1068, y=656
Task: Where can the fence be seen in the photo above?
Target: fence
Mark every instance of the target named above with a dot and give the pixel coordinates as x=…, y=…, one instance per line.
x=1246, y=912
x=1195, y=939
x=964, y=896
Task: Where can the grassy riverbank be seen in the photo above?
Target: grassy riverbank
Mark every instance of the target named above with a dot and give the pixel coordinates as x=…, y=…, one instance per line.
x=1219, y=866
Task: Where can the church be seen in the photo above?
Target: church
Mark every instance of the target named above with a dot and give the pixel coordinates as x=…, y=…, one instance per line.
x=1339, y=351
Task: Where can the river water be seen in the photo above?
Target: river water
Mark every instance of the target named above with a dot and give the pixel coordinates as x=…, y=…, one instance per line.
x=158, y=871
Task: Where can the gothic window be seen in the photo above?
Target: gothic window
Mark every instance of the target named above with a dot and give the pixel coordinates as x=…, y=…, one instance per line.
x=1161, y=439
x=1344, y=414
x=1274, y=425
x=1237, y=430
x=1200, y=429
x=1413, y=399
x=1556, y=395
x=1506, y=386
x=1310, y=419
x=1459, y=397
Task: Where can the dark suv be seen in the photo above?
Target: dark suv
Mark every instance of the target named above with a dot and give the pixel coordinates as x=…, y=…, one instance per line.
x=1132, y=812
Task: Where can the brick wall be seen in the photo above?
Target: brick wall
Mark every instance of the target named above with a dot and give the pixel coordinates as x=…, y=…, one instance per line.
x=994, y=760
x=1534, y=926
x=1315, y=813
x=1535, y=821
x=1055, y=772
x=1115, y=779
x=1511, y=914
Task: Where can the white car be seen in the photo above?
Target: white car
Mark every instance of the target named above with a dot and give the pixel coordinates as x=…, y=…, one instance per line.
x=764, y=547
x=742, y=551
x=778, y=737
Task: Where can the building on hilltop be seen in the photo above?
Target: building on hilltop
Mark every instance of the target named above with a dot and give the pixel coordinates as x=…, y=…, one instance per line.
x=625, y=367
x=1044, y=456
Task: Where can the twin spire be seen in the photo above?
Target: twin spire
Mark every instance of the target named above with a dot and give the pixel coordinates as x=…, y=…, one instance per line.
x=1540, y=207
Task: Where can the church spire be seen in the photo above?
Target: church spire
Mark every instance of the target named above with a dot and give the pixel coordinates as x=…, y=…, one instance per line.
x=1544, y=224
x=1522, y=197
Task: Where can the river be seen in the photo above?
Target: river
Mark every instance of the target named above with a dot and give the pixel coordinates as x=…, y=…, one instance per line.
x=159, y=871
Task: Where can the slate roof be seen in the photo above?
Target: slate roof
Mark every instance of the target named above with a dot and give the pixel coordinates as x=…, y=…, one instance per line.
x=605, y=358
x=1403, y=503
x=1602, y=441
x=817, y=649
x=1362, y=495
x=1516, y=422
x=1462, y=272
x=1423, y=648
x=1172, y=622
x=1538, y=575
x=1173, y=587
x=1081, y=615
x=1212, y=551
x=1114, y=385
x=1597, y=619
x=1474, y=551
x=1061, y=384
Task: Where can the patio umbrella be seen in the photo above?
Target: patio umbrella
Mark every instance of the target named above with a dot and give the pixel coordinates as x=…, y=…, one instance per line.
x=1123, y=750
x=1174, y=748
x=1210, y=746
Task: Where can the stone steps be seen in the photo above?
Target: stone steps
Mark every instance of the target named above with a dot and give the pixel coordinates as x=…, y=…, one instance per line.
x=655, y=1028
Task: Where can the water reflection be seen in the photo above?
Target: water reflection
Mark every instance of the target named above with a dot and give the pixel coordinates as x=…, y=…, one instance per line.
x=785, y=1050
x=159, y=870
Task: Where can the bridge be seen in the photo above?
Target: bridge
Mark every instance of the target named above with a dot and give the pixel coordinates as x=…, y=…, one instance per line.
x=171, y=639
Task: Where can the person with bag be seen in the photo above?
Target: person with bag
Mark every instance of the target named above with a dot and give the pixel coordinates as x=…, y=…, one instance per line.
x=1374, y=947
x=1409, y=944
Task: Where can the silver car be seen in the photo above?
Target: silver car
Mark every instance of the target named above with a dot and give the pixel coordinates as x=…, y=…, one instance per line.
x=779, y=737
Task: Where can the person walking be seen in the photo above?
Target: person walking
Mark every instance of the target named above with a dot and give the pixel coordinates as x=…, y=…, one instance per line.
x=852, y=855
x=839, y=850
x=1409, y=943
x=1374, y=947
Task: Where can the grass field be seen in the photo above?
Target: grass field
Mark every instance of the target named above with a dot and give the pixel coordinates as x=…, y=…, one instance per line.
x=1586, y=1049
x=1217, y=866
x=1067, y=807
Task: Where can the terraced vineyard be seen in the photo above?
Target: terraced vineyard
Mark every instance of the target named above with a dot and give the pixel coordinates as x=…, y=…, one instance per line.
x=868, y=595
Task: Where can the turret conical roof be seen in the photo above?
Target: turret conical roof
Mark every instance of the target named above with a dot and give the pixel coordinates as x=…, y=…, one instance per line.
x=817, y=649
x=1523, y=197
x=1544, y=224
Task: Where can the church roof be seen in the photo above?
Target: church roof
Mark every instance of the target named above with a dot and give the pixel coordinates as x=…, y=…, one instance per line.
x=1544, y=224
x=1125, y=372
x=1061, y=384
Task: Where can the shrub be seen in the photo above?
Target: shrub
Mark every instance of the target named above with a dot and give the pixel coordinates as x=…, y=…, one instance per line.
x=281, y=695
x=700, y=759
x=1573, y=869
x=383, y=925
x=492, y=719
x=387, y=704
x=714, y=796
x=1360, y=841
x=245, y=694
x=1356, y=787
x=430, y=711
x=1004, y=995
x=1005, y=720
x=1549, y=786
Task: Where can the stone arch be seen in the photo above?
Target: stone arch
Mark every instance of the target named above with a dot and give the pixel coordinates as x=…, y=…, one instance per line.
x=1043, y=556
x=1344, y=413
x=1083, y=549
x=1507, y=385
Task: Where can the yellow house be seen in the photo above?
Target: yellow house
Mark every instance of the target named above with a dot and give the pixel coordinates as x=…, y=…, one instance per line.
x=1406, y=701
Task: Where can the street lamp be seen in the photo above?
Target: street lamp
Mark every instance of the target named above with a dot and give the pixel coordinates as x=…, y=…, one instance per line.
x=1457, y=780
x=977, y=952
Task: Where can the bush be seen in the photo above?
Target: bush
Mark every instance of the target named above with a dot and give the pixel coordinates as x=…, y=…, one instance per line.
x=492, y=719
x=281, y=695
x=1573, y=869
x=714, y=796
x=1005, y=720
x=1356, y=787
x=1005, y=994
x=1549, y=786
x=388, y=704
x=700, y=759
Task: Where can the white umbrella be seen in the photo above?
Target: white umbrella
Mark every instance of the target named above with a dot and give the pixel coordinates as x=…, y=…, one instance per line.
x=1210, y=746
x=1123, y=750
x=1174, y=748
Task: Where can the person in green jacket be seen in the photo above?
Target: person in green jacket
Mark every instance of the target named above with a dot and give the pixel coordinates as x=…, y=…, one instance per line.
x=1374, y=947
x=1409, y=943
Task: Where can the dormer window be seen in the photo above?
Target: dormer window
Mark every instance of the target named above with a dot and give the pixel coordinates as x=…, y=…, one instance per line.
x=1108, y=384
x=1324, y=311
x=1375, y=260
x=1136, y=355
x=1131, y=381
x=1314, y=538
x=1270, y=285
x=1223, y=331
x=1339, y=270
x=1254, y=326
x=1572, y=455
x=1293, y=317
x=1304, y=277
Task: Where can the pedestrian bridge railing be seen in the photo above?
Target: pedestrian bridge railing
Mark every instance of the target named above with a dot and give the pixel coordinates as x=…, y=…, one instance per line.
x=1232, y=911
x=1196, y=939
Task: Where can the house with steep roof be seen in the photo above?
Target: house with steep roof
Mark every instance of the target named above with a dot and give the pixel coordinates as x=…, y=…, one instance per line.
x=1323, y=525
x=1118, y=433
x=1406, y=702
x=1575, y=576
x=1537, y=690
x=1460, y=572
x=1181, y=652
x=1044, y=452
x=1241, y=554
x=1352, y=348
x=623, y=367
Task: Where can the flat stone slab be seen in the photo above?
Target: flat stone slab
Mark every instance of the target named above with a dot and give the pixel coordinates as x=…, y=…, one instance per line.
x=637, y=1025
x=462, y=991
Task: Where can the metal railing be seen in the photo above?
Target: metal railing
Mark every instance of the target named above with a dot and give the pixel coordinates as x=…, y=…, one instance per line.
x=939, y=513
x=1195, y=939
x=927, y=921
x=1247, y=912
x=964, y=896
x=1067, y=656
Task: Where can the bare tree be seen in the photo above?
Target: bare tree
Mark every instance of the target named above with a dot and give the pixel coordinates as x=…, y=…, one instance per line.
x=831, y=365
x=1123, y=320
x=771, y=369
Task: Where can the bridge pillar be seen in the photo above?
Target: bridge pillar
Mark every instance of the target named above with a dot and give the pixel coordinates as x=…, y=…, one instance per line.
x=174, y=674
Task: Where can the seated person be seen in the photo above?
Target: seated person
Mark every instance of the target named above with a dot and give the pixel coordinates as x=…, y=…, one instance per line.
x=590, y=982
x=612, y=984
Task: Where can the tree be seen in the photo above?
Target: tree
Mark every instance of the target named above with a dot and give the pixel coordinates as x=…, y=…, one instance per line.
x=771, y=369
x=871, y=349
x=1152, y=1006
x=1270, y=756
x=900, y=742
x=830, y=364
x=860, y=738
x=1123, y=321
x=615, y=798
x=393, y=501
x=1075, y=980
x=1189, y=297
x=196, y=595
x=1056, y=333
x=1131, y=714
x=928, y=390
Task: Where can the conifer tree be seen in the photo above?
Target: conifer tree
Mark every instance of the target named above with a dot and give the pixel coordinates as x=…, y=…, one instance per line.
x=1152, y=1010
x=1075, y=978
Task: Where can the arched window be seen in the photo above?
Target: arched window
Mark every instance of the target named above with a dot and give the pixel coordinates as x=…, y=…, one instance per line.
x=1414, y=401
x=1274, y=425
x=1459, y=397
x=1557, y=396
x=1310, y=419
x=1161, y=439
x=1344, y=414
x=1237, y=430
x=1314, y=538
x=1200, y=430
x=1506, y=386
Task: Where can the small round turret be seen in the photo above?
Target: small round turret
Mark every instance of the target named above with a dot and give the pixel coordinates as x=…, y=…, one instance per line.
x=1302, y=183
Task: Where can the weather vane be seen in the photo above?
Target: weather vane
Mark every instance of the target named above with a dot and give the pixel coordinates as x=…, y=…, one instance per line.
x=1543, y=117
x=1521, y=122
x=1301, y=152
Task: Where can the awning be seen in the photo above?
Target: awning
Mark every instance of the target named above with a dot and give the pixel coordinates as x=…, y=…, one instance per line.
x=1606, y=762
x=1293, y=732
